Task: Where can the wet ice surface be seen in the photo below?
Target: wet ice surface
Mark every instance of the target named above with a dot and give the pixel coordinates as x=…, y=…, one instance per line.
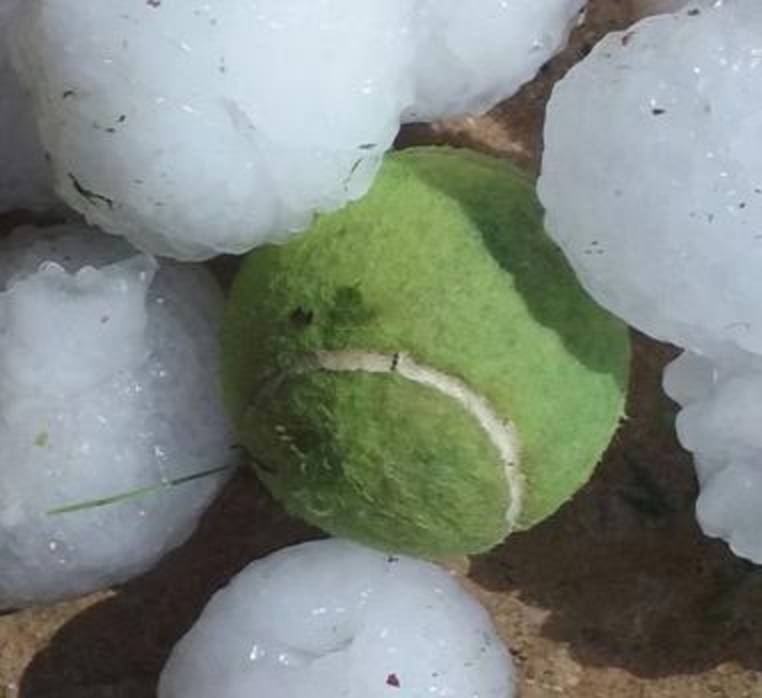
x=25, y=178
x=664, y=222
x=331, y=619
x=652, y=178
x=108, y=381
x=199, y=127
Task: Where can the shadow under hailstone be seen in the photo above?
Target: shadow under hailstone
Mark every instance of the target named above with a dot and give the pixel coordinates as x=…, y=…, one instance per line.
x=117, y=648
x=623, y=572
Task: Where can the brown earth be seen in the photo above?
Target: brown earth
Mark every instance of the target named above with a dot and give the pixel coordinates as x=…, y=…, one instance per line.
x=617, y=596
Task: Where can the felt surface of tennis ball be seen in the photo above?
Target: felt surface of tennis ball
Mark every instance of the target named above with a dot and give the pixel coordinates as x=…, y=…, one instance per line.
x=421, y=371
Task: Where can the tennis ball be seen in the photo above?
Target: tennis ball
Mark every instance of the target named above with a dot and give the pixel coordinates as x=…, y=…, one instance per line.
x=421, y=372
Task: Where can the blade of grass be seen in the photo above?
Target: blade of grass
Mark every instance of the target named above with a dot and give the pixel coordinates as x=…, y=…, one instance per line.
x=140, y=491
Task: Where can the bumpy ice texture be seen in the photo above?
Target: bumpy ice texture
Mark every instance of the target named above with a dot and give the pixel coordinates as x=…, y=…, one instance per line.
x=445, y=264
x=652, y=180
x=653, y=185
x=331, y=619
x=25, y=177
x=719, y=423
x=194, y=128
x=109, y=383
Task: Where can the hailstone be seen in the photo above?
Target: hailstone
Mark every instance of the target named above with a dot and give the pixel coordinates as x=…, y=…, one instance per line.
x=652, y=181
x=109, y=384
x=652, y=178
x=331, y=619
x=719, y=422
x=194, y=128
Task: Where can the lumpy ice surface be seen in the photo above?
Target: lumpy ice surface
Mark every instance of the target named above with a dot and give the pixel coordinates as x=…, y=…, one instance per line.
x=652, y=177
x=109, y=383
x=719, y=422
x=331, y=619
x=194, y=128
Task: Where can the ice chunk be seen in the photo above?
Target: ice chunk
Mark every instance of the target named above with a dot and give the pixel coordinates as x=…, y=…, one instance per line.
x=109, y=383
x=97, y=317
x=689, y=378
x=194, y=128
x=719, y=423
x=25, y=177
x=652, y=177
x=331, y=618
x=469, y=58
x=729, y=508
x=652, y=182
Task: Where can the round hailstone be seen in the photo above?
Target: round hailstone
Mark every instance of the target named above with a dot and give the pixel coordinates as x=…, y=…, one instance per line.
x=331, y=618
x=719, y=423
x=652, y=177
x=195, y=128
x=25, y=181
x=468, y=59
x=109, y=384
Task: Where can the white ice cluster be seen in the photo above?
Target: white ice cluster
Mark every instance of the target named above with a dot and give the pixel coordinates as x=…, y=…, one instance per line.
x=199, y=127
x=652, y=180
x=720, y=424
x=108, y=383
x=25, y=178
x=329, y=619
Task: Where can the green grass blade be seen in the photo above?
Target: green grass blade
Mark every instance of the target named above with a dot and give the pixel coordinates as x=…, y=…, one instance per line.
x=139, y=492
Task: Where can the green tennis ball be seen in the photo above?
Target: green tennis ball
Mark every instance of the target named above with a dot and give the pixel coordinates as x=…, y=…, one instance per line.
x=421, y=371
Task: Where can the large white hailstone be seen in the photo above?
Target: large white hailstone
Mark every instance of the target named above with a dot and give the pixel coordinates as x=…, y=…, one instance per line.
x=720, y=424
x=331, y=619
x=194, y=128
x=108, y=383
x=652, y=175
x=25, y=178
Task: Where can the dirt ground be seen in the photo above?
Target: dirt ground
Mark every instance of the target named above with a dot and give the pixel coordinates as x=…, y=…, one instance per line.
x=617, y=596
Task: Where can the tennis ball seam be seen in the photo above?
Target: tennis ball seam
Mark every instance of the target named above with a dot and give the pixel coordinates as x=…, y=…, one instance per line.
x=501, y=432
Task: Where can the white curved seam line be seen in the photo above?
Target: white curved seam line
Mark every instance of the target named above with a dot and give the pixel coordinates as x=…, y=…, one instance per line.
x=501, y=432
